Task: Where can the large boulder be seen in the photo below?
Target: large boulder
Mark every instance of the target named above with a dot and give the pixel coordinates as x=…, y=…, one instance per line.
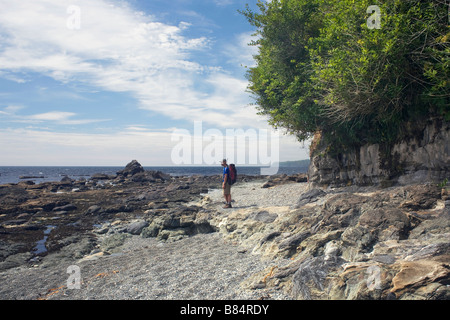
x=131, y=169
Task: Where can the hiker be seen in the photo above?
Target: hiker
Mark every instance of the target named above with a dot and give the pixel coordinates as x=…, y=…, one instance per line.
x=226, y=186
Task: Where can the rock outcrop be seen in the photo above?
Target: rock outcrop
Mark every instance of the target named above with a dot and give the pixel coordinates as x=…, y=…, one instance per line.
x=135, y=172
x=131, y=169
x=422, y=156
x=350, y=243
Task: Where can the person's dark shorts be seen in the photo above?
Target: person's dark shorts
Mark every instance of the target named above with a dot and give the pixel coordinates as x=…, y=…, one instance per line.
x=227, y=189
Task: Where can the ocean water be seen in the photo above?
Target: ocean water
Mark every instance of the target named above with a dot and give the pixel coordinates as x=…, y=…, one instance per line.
x=46, y=174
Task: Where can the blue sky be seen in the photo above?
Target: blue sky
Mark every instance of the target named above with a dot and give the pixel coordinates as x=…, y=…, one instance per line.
x=98, y=82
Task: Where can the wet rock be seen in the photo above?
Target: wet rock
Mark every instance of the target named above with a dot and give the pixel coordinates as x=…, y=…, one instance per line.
x=15, y=260
x=118, y=208
x=48, y=206
x=66, y=180
x=152, y=176
x=12, y=195
x=102, y=230
x=68, y=207
x=93, y=210
x=31, y=177
x=162, y=176
x=16, y=222
x=143, y=177
x=176, y=186
x=102, y=176
x=74, y=248
x=26, y=183
x=8, y=248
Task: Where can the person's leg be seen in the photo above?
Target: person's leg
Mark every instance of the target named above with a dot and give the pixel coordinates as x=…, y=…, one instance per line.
x=227, y=195
x=229, y=200
x=225, y=192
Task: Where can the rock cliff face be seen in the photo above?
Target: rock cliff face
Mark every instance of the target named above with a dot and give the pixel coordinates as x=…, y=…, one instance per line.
x=422, y=156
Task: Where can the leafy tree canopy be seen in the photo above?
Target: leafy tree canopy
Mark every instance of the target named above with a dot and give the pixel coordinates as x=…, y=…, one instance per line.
x=356, y=70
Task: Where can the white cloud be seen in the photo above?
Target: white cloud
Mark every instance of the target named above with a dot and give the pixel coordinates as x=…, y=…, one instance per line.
x=61, y=148
x=150, y=147
x=52, y=116
x=11, y=110
x=223, y=3
x=57, y=117
x=116, y=49
x=65, y=118
x=120, y=50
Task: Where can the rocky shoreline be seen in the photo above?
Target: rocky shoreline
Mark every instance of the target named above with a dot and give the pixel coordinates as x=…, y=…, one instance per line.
x=281, y=240
x=69, y=212
x=357, y=243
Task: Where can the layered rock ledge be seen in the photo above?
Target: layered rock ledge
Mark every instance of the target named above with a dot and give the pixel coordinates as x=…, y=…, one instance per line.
x=422, y=155
x=347, y=243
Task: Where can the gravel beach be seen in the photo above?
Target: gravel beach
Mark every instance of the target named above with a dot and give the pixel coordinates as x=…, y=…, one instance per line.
x=251, y=194
x=200, y=267
x=203, y=266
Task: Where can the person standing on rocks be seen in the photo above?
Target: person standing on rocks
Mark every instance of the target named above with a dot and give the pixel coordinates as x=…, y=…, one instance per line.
x=226, y=186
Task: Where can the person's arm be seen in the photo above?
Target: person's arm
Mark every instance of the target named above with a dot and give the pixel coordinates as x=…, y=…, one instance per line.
x=225, y=179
